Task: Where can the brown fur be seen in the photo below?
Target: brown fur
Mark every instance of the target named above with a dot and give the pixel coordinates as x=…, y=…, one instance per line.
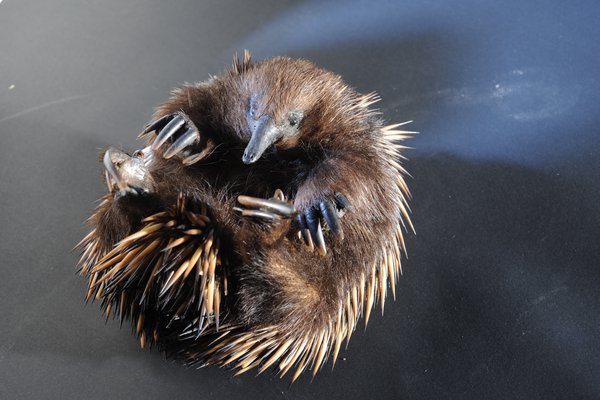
x=283, y=300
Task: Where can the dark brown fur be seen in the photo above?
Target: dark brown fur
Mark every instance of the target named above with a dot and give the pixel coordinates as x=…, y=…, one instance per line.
x=279, y=289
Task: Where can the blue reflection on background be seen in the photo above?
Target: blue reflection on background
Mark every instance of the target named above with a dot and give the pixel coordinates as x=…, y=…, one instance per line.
x=513, y=81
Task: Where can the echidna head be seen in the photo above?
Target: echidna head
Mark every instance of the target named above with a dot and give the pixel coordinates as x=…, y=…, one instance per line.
x=265, y=130
x=289, y=102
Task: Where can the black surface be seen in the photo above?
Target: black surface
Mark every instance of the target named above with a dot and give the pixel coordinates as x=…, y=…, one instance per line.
x=499, y=297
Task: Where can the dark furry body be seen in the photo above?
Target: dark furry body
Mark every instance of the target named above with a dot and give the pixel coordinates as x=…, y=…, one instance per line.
x=275, y=280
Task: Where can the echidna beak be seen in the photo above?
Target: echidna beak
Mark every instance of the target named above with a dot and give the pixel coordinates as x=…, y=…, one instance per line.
x=264, y=134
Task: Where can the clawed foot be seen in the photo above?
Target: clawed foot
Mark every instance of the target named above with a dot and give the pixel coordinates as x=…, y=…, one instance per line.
x=183, y=136
x=127, y=176
x=267, y=210
x=328, y=210
x=310, y=222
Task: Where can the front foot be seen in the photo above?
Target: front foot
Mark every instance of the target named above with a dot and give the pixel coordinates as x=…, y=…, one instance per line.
x=328, y=210
x=181, y=136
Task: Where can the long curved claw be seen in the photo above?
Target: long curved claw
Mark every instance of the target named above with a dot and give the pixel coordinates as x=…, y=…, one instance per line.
x=188, y=138
x=169, y=130
x=305, y=232
x=324, y=212
x=275, y=206
x=184, y=138
x=331, y=217
x=268, y=210
x=194, y=158
x=257, y=214
x=342, y=202
x=279, y=195
x=316, y=232
x=158, y=124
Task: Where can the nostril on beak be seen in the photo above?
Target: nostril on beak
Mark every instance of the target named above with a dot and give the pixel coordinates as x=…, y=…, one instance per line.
x=248, y=158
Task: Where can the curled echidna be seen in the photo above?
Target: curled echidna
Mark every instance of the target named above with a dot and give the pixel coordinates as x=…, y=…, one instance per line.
x=262, y=219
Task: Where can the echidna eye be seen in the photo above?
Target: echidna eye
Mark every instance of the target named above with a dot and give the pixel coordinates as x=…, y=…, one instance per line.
x=252, y=106
x=294, y=119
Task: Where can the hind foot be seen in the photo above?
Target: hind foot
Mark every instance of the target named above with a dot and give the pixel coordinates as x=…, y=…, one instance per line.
x=265, y=221
x=267, y=210
x=323, y=210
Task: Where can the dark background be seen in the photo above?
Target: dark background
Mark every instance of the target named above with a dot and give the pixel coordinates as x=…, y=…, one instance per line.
x=499, y=298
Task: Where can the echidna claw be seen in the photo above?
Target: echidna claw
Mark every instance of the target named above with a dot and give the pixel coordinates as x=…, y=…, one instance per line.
x=189, y=137
x=265, y=215
x=305, y=233
x=130, y=191
x=331, y=217
x=273, y=205
x=325, y=211
x=342, y=201
x=158, y=124
x=169, y=130
x=316, y=232
x=185, y=139
x=265, y=209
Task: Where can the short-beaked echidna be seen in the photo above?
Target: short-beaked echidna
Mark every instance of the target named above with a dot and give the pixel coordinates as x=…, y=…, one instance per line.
x=264, y=217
